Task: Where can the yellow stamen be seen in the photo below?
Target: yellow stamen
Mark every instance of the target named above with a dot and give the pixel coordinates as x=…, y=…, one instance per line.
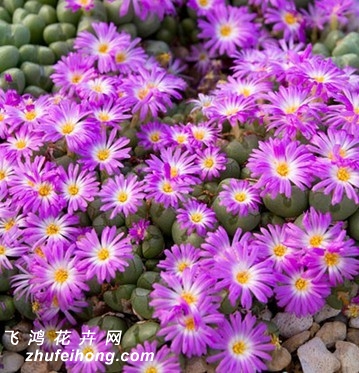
x=246, y=92
x=174, y=172
x=301, y=284
x=20, y=144
x=291, y=109
x=319, y=79
x=61, y=275
x=155, y=137
x=240, y=197
x=196, y=217
x=181, y=139
x=225, y=30
x=73, y=189
x=203, y=2
x=76, y=79
x=52, y=229
x=45, y=190
x=190, y=324
x=9, y=224
x=279, y=250
x=182, y=266
x=2, y=250
x=103, y=48
x=38, y=251
x=239, y=348
x=282, y=169
x=167, y=188
x=142, y=93
x=51, y=335
x=103, y=117
x=67, y=128
x=30, y=115
x=35, y=306
x=331, y=259
x=87, y=350
x=243, y=277
x=316, y=240
x=2, y=175
x=103, y=154
x=198, y=135
x=290, y=18
x=188, y=298
x=121, y=57
x=151, y=370
x=122, y=197
x=103, y=254
x=343, y=174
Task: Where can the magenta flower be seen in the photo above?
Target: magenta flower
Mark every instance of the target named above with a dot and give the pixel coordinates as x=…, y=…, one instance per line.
x=102, y=258
x=105, y=152
x=98, y=90
x=243, y=275
x=239, y=197
x=122, y=194
x=228, y=28
x=211, y=161
x=202, y=7
x=279, y=164
x=78, y=187
x=163, y=361
x=243, y=344
x=92, y=341
x=76, y=5
x=196, y=217
x=152, y=135
x=138, y=230
x=128, y=55
x=300, y=291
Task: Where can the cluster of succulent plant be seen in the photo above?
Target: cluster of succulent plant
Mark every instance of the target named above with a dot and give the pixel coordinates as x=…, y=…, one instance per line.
x=176, y=188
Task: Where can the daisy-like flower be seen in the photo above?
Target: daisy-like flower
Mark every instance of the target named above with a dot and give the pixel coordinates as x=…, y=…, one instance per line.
x=128, y=55
x=180, y=258
x=51, y=329
x=204, y=133
x=152, y=135
x=11, y=223
x=57, y=274
x=243, y=344
x=291, y=110
x=92, y=344
x=279, y=164
x=201, y=57
x=338, y=261
x=67, y=120
x=239, y=197
x=196, y=217
x=338, y=178
x=286, y=19
x=101, y=45
x=317, y=232
x=98, y=89
x=77, y=187
x=185, y=294
x=211, y=161
x=7, y=170
x=177, y=135
x=102, y=258
x=105, y=152
x=301, y=291
x=163, y=360
x=76, y=5
x=72, y=71
x=137, y=231
x=243, y=275
x=203, y=6
x=9, y=251
x=203, y=103
x=335, y=12
x=271, y=242
x=53, y=230
x=227, y=29
x=191, y=333
x=122, y=194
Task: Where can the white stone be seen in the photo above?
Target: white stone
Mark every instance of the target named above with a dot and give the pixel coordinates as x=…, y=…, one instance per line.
x=348, y=355
x=10, y=362
x=331, y=332
x=35, y=367
x=354, y=322
x=281, y=358
x=315, y=358
x=289, y=324
x=292, y=343
x=326, y=313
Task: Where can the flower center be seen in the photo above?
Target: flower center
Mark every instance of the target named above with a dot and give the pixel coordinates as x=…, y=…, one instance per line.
x=52, y=229
x=243, y=277
x=343, y=174
x=45, y=190
x=291, y=109
x=239, y=348
x=2, y=175
x=73, y=189
x=225, y=30
x=331, y=259
x=155, y=137
x=103, y=154
x=209, y=162
x=182, y=266
x=142, y=93
x=103, y=48
x=122, y=197
x=181, y=139
x=9, y=224
x=198, y=135
x=67, y=128
x=151, y=370
x=246, y=92
x=301, y=284
x=203, y=2
x=290, y=18
x=30, y=115
x=76, y=78
x=103, y=253
x=316, y=241
x=61, y=275
x=121, y=57
x=240, y=197
x=2, y=250
x=167, y=188
x=88, y=350
x=196, y=217
x=51, y=335
x=190, y=324
x=282, y=169
x=38, y=251
x=35, y=306
x=279, y=250
x=104, y=117
x=319, y=79
x=188, y=298
x=21, y=144
x=97, y=88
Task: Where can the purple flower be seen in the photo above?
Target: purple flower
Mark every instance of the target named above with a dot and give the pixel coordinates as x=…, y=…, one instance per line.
x=243, y=344
x=196, y=217
x=211, y=161
x=137, y=231
x=152, y=135
x=76, y=5
x=279, y=164
x=122, y=194
x=102, y=258
x=239, y=197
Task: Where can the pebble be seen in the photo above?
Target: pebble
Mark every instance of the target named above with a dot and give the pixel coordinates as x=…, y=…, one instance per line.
x=23, y=342
x=313, y=329
x=331, y=332
x=10, y=362
x=353, y=336
x=348, y=355
x=289, y=324
x=35, y=367
x=196, y=365
x=354, y=322
x=292, y=343
x=315, y=358
x=281, y=358
x=326, y=313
